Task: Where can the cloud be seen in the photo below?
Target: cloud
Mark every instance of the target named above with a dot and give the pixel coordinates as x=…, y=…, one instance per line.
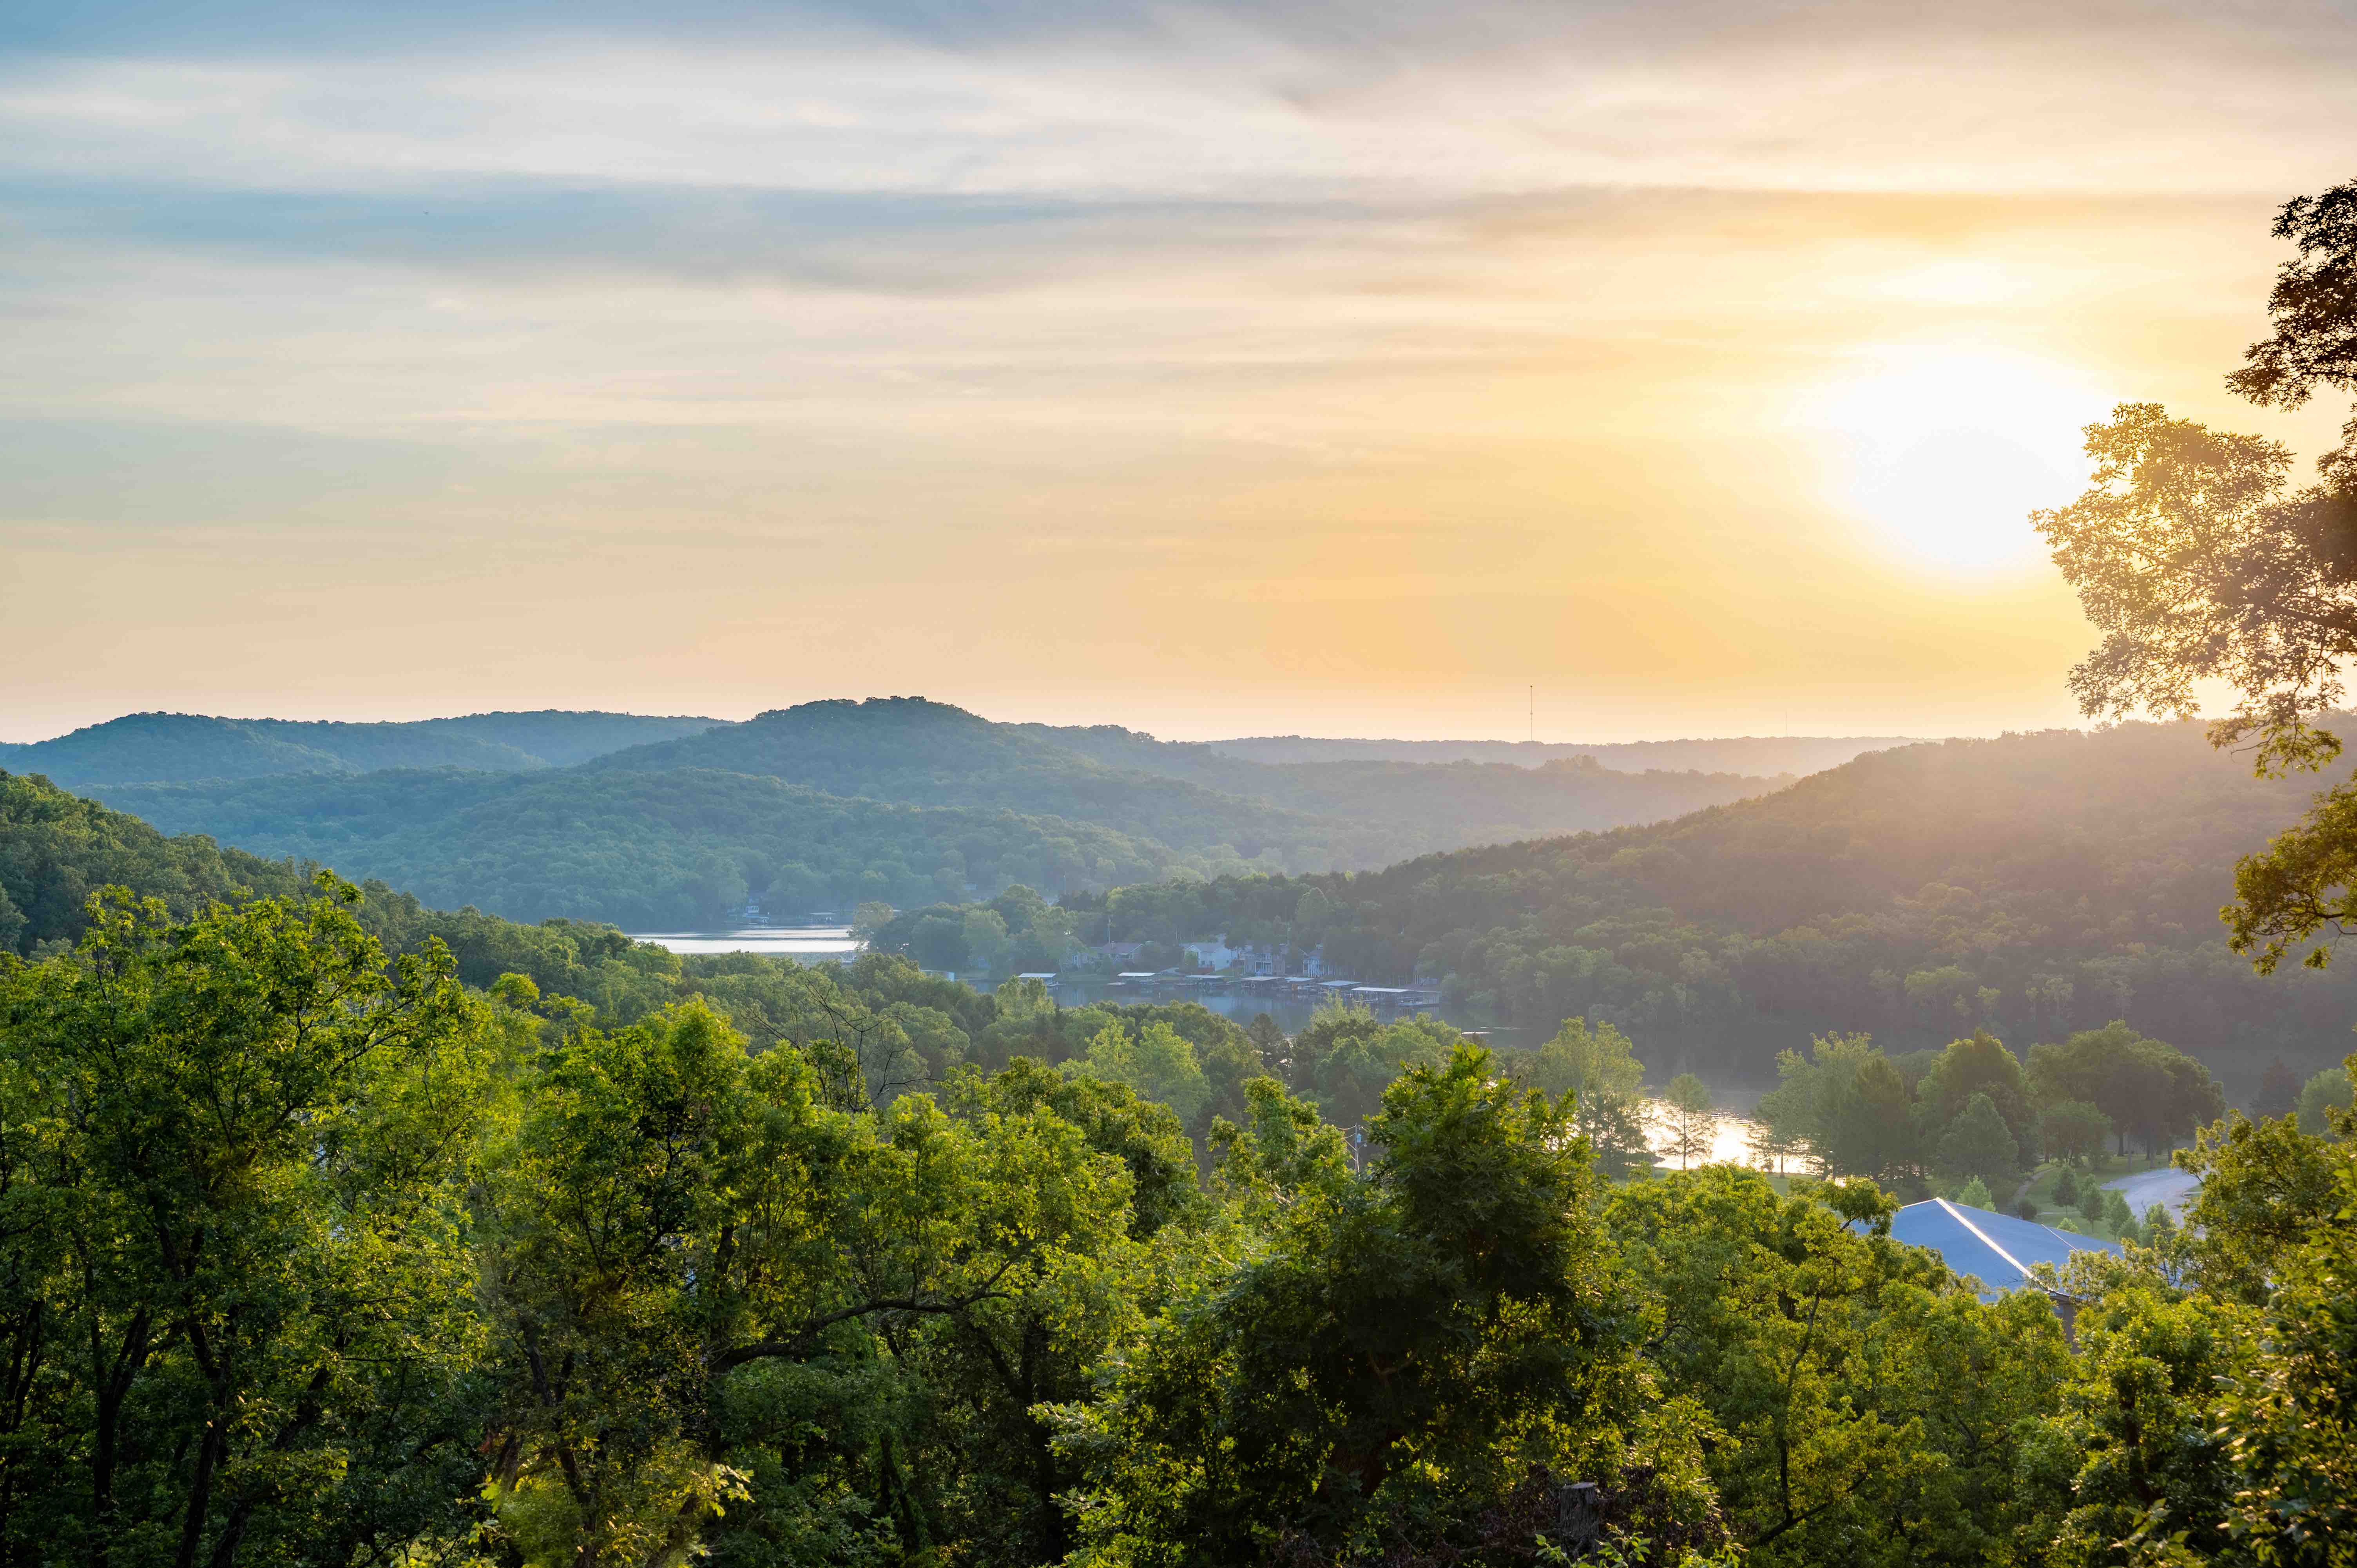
x=1232, y=104
x=1064, y=342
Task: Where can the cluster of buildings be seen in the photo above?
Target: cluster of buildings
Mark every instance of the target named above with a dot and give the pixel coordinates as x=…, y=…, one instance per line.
x=1278, y=988
x=1212, y=954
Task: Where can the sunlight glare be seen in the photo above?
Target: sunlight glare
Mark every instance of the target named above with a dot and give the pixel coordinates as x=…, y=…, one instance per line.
x=1946, y=450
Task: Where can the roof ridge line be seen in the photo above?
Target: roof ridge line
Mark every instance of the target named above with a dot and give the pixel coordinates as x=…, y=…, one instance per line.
x=1986, y=1240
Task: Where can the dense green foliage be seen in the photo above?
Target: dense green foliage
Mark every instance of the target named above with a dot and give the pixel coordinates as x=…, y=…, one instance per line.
x=2203, y=568
x=160, y=747
x=1974, y=1112
x=56, y=850
x=307, y=1258
x=647, y=850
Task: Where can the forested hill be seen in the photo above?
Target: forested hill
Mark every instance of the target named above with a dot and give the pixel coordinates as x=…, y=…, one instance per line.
x=815, y=807
x=56, y=849
x=922, y=753
x=1187, y=797
x=2037, y=883
x=1478, y=801
x=140, y=748
x=650, y=850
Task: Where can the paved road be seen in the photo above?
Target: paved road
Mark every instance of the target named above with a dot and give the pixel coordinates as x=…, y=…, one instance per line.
x=2168, y=1186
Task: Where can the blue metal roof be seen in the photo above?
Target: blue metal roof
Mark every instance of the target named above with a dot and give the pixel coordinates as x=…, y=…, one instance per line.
x=1995, y=1248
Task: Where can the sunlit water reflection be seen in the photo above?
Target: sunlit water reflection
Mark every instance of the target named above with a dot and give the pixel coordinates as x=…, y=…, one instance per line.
x=1730, y=1140
x=812, y=944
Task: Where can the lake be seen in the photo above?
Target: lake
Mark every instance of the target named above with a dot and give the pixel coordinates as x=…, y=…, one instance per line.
x=1730, y=1141
x=821, y=944
x=811, y=944
x=1289, y=1013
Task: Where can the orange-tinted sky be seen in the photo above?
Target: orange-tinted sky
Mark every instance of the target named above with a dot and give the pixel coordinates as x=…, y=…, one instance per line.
x=1218, y=369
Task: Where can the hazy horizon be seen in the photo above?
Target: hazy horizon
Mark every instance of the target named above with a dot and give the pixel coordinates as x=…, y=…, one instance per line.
x=21, y=733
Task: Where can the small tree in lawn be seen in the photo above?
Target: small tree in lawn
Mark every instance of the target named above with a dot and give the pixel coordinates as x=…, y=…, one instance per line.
x=1978, y=1143
x=1687, y=1116
x=2118, y=1215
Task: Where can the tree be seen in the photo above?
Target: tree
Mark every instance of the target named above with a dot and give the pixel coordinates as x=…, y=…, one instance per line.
x=1269, y=1040
x=2118, y=1215
x=1847, y=1106
x=2268, y=1239
x=2328, y=1092
x=2264, y=1186
x=691, y=1243
x=1977, y=1067
x=1870, y=1406
x=1347, y=1057
x=1975, y=1194
x=2279, y=1091
x=986, y=942
x=1394, y=1358
x=2287, y=1421
x=2197, y=566
x=2146, y=1087
x=232, y=1239
x=1112, y=1173
x=1979, y=1144
x=2314, y=308
x=1688, y=1118
x=1157, y=1062
x=2131, y=1458
x=2073, y=1130
x=1600, y=1069
x=940, y=942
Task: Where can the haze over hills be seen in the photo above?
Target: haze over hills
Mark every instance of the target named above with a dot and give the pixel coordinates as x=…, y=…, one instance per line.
x=684, y=847
x=1485, y=800
x=158, y=748
x=825, y=804
x=1790, y=754
x=921, y=753
x=2026, y=883
x=2034, y=884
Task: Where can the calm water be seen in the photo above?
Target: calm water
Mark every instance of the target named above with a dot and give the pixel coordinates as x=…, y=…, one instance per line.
x=1289, y=1015
x=818, y=944
x=1730, y=1145
x=812, y=944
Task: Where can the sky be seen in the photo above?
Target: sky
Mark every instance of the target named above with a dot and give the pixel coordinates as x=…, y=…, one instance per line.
x=1401, y=367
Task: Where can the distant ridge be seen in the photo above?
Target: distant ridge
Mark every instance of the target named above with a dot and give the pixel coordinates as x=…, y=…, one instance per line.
x=1733, y=753
x=819, y=806
x=159, y=748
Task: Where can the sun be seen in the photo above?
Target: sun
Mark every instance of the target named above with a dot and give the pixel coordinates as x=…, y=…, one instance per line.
x=1941, y=452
